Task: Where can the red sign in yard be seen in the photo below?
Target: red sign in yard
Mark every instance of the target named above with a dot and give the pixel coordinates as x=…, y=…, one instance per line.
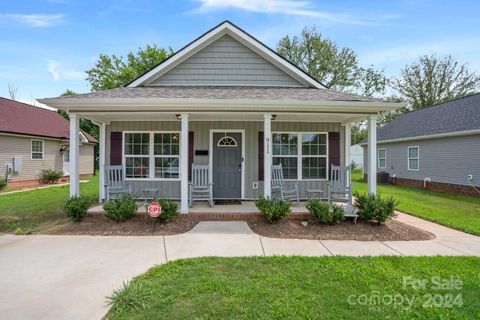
x=154, y=209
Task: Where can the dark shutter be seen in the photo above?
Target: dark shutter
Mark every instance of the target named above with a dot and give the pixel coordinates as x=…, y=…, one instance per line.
x=115, y=148
x=261, y=156
x=333, y=150
x=190, y=154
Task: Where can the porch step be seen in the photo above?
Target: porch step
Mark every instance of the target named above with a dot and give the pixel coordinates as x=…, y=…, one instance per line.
x=239, y=213
x=237, y=216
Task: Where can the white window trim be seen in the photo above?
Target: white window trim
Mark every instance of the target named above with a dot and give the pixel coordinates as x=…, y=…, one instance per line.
x=384, y=158
x=150, y=156
x=417, y=158
x=31, y=149
x=300, y=155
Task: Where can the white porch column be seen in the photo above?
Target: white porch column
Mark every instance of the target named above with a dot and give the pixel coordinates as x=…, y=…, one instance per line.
x=101, y=163
x=74, y=155
x=348, y=142
x=372, y=154
x=184, y=164
x=267, y=156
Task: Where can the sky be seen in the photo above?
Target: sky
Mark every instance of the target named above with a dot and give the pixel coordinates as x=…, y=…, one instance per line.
x=46, y=45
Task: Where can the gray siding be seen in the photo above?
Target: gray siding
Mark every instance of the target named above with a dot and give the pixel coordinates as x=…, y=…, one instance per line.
x=201, y=129
x=446, y=160
x=226, y=62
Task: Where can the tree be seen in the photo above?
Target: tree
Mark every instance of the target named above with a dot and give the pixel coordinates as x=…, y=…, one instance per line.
x=432, y=80
x=358, y=133
x=113, y=71
x=337, y=68
x=12, y=91
x=85, y=124
x=370, y=82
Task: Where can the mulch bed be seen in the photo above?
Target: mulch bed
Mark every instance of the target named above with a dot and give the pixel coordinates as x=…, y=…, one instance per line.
x=101, y=226
x=363, y=231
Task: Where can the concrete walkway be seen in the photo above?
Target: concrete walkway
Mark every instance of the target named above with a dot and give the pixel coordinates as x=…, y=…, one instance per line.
x=68, y=277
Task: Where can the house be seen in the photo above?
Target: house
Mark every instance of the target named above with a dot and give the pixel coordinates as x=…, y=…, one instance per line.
x=356, y=155
x=227, y=101
x=33, y=139
x=437, y=147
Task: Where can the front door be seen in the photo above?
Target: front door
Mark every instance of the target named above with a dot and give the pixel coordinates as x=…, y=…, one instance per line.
x=227, y=165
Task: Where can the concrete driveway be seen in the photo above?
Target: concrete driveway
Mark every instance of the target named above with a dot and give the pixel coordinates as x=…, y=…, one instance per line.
x=69, y=277
x=60, y=277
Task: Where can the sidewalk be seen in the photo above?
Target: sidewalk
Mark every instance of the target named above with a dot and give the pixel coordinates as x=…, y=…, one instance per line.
x=68, y=277
x=233, y=238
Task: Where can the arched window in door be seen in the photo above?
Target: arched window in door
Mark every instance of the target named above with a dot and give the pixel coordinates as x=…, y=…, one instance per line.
x=227, y=141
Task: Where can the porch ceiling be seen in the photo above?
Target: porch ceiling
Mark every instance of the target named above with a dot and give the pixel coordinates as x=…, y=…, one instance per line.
x=107, y=117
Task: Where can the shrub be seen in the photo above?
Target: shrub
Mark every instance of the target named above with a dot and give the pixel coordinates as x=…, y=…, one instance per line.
x=76, y=207
x=132, y=296
x=374, y=207
x=3, y=184
x=273, y=210
x=325, y=212
x=169, y=209
x=50, y=176
x=121, y=209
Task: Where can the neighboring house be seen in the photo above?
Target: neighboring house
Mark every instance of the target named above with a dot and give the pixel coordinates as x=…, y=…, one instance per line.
x=436, y=147
x=356, y=155
x=227, y=101
x=33, y=139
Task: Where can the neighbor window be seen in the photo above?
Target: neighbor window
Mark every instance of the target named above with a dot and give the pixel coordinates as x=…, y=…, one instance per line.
x=302, y=155
x=37, y=149
x=166, y=150
x=413, y=158
x=152, y=155
x=137, y=155
x=382, y=158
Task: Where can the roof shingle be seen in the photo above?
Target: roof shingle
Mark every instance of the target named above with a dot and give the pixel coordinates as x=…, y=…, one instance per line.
x=225, y=92
x=22, y=118
x=457, y=115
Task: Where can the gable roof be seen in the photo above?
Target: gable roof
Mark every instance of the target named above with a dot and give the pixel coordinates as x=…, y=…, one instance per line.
x=456, y=116
x=21, y=118
x=227, y=28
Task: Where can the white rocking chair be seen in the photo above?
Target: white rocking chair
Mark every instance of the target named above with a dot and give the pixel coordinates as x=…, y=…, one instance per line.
x=340, y=189
x=115, y=185
x=200, y=188
x=279, y=185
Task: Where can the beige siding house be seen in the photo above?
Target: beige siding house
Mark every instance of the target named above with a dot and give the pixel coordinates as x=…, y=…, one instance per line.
x=33, y=139
x=227, y=101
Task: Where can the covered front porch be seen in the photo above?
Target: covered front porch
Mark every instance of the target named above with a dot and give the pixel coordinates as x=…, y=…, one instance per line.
x=131, y=140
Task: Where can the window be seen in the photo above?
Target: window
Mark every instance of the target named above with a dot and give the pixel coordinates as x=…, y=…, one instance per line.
x=137, y=155
x=314, y=156
x=285, y=152
x=227, y=142
x=302, y=155
x=167, y=150
x=382, y=158
x=152, y=155
x=37, y=149
x=413, y=158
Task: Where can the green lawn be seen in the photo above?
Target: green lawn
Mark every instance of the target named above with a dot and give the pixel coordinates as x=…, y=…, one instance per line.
x=39, y=209
x=459, y=212
x=302, y=288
